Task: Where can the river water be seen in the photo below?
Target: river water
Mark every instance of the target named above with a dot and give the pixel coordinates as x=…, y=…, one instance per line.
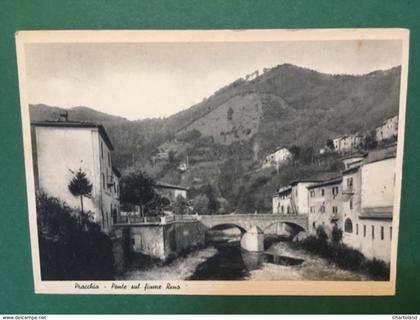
x=223, y=259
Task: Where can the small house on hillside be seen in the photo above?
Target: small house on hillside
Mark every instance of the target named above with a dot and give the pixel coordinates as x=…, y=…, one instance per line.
x=278, y=157
x=348, y=143
x=387, y=129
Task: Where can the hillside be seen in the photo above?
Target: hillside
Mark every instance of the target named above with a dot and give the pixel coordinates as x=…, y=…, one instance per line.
x=243, y=121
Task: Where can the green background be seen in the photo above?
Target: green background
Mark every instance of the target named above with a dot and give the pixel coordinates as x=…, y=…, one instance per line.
x=16, y=285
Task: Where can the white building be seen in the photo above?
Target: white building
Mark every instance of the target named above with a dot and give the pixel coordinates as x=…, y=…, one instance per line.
x=170, y=191
x=61, y=148
x=293, y=199
x=368, y=195
x=347, y=143
x=388, y=129
x=277, y=158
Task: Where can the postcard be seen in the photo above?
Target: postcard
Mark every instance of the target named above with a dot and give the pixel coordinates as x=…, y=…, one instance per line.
x=214, y=162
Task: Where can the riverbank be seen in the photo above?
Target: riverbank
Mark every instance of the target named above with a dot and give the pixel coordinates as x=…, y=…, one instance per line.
x=312, y=268
x=179, y=269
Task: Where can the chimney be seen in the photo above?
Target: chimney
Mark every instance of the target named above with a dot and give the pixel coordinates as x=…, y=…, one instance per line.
x=64, y=116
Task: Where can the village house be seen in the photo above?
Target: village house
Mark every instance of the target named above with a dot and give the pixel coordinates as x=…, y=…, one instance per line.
x=387, y=129
x=61, y=148
x=281, y=201
x=347, y=143
x=277, y=158
x=367, y=206
x=293, y=199
x=325, y=205
x=170, y=191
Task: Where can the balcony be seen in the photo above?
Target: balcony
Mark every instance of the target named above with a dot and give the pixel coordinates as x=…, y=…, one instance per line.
x=348, y=190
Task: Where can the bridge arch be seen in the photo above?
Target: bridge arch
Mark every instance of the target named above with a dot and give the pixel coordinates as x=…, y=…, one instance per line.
x=228, y=225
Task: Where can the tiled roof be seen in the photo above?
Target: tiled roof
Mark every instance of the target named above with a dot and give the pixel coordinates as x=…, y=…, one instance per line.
x=381, y=213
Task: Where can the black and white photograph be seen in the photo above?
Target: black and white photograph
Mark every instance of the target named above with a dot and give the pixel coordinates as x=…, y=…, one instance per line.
x=258, y=162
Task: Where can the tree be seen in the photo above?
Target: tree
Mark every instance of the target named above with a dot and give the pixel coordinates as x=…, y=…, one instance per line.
x=213, y=205
x=336, y=235
x=201, y=204
x=295, y=151
x=230, y=173
x=321, y=234
x=330, y=144
x=81, y=187
x=138, y=188
x=180, y=205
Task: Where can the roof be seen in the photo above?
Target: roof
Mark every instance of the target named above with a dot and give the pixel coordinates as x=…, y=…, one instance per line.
x=304, y=181
x=336, y=180
x=286, y=188
x=77, y=124
x=277, y=149
x=352, y=169
x=116, y=171
x=385, y=120
x=165, y=185
x=355, y=155
x=380, y=213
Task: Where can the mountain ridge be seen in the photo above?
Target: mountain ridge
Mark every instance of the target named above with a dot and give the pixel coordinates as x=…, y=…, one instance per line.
x=284, y=105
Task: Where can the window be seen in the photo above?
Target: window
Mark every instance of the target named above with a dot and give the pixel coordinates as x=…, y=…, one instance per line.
x=103, y=179
x=335, y=191
x=312, y=194
x=313, y=225
x=102, y=150
x=373, y=232
x=322, y=192
x=349, y=182
x=109, y=159
x=357, y=229
x=348, y=226
x=351, y=204
x=312, y=209
x=382, y=233
x=335, y=209
x=390, y=233
x=364, y=230
x=282, y=209
x=322, y=209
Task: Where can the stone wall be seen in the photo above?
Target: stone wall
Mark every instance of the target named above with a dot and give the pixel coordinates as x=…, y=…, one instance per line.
x=162, y=241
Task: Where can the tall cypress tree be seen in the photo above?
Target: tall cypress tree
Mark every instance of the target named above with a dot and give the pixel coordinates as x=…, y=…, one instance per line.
x=81, y=187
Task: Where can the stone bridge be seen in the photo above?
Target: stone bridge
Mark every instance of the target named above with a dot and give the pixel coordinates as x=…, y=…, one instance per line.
x=268, y=223
x=254, y=226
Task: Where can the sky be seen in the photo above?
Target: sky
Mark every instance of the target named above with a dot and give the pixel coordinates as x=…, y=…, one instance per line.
x=148, y=80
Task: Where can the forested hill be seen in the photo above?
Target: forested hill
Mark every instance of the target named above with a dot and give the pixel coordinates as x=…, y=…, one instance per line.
x=284, y=105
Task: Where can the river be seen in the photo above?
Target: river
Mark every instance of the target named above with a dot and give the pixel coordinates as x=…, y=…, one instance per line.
x=223, y=259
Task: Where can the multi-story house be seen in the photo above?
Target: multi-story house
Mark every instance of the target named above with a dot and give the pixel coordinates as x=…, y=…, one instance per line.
x=347, y=143
x=280, y=156
x=387, y=129
x=325, y=205
x=367, y=207
x=293, y=199
x=281, y=201
x=61, y=148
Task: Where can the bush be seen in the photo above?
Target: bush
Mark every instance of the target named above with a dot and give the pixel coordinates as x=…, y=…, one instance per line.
x=336, y=235
x=70, y=250
x=343, y=256
x=378, y=269
x=321, y=234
